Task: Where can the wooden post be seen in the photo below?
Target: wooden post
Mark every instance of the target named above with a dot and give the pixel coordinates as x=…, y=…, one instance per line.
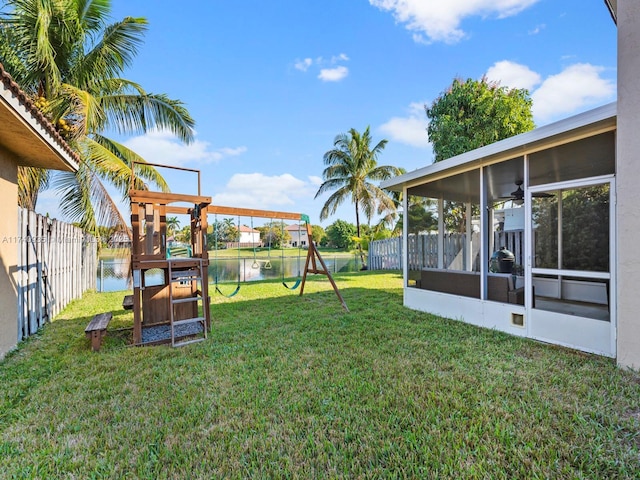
x=312, y=253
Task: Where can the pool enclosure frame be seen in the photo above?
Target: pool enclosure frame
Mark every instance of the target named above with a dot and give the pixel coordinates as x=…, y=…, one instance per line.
x=561, y=292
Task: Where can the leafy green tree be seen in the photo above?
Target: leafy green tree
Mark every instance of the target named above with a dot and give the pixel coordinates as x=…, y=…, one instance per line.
x=222, y=232
x=105, y=234
x=274, y=234
x=351, y=167
x=317, y=234
x=422, y=217
x=585, y=224
x=69, y=59
x=340, y=234
x=378, y=232
x=471, y=114
x=184, y=234
x=474, y=113
x=585, y=229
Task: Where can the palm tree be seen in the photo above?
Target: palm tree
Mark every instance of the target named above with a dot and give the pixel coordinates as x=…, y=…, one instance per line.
x=389, y=216
x=69, y=59
x=351, y=167
x=229, y=229
x=172, y=225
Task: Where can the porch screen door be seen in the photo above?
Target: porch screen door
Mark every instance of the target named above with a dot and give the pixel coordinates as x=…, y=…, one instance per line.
x=570, y=270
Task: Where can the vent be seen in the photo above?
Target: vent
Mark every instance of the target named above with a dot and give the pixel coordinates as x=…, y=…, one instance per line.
x=517, y=319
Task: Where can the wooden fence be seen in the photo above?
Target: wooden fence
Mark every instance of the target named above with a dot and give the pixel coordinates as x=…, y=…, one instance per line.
x=57, y=263
x=423, y=250
x=385, y=254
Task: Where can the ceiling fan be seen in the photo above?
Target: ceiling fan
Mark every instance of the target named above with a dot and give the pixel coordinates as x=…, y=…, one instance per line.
x=517, y=196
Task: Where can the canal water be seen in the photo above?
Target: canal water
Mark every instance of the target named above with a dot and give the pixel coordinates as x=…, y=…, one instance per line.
x=114, y=272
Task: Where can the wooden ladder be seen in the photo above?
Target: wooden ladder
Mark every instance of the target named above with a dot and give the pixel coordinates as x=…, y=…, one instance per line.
x=192, y=274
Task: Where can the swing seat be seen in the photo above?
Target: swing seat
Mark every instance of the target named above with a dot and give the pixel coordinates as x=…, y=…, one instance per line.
x=294, y=286
x=224, y=294
x=229, y=295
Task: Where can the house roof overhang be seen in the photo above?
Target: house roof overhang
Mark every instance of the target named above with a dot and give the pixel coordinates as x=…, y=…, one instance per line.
x=612, y=5
x=27, y=134
x=583, y=125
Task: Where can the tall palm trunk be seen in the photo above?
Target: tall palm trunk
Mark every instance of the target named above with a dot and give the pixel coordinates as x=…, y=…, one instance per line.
x=364, y=265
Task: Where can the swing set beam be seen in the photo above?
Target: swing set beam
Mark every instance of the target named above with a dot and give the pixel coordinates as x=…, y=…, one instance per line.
x=313, y=255
x=252, y=212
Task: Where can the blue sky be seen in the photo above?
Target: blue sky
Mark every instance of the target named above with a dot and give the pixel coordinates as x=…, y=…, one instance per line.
x=271, y=83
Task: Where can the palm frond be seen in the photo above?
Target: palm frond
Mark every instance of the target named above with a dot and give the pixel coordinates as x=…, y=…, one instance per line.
x=383, y=173
x=140, y=113
x=80, y=108
x=331, y=184
x=31, y=181
x=333, y=202
x=65, y=51
x=115, y=51
x=143, y=172
x=91, y=14
x=85, y=200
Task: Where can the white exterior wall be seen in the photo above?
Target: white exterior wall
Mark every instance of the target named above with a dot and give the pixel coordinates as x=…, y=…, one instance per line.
x=250, y=237
x=628, y=183
x=482, y=313
x=298, y=236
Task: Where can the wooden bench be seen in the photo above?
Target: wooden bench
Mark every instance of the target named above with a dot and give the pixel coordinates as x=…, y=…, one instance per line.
x=97, y=329
x=127, y=303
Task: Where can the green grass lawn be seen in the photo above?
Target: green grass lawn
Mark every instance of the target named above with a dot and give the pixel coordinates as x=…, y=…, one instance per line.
x=295, y=387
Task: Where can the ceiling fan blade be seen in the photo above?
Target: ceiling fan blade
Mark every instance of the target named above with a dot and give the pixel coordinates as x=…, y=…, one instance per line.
x=542, y=195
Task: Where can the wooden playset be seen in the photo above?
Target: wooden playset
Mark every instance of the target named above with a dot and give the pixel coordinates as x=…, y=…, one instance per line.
x=177, y=310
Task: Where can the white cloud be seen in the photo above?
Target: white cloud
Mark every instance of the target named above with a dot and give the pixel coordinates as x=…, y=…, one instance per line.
x=333, y=74
x=165, y=148
x=314, y=180
x=339, y=58
x=537, y=29
x=232, y=152
x=440, y=21
x=577, y=86
x=410, y=130
x=256, y=190
x=303, y=65
x=513, y=75
x=330, y=70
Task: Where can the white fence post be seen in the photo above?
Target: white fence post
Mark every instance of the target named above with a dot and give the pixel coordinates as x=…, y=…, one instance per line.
x=56, y=264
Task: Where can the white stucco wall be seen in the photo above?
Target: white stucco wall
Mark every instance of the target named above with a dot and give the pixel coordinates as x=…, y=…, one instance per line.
x=628, y=184
x=8, y=253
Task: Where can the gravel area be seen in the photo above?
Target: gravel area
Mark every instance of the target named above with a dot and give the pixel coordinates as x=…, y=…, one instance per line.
x=158, y=333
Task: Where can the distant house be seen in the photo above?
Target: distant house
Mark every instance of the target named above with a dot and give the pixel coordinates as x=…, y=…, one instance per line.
x=26, y=139
x=120, y=239
x=249, y=237
x=298, y=234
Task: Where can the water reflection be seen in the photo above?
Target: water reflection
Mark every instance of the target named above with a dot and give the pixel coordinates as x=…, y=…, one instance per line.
x=114, y=272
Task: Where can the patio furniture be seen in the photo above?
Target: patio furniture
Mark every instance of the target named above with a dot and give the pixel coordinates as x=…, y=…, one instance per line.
x=500, y=286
